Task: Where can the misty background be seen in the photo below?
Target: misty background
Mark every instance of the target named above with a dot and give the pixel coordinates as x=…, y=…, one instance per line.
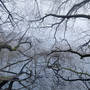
x=44, y=44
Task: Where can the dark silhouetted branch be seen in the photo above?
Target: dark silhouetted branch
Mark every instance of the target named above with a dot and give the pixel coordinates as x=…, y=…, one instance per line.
x=71, y=51
x=66, y=16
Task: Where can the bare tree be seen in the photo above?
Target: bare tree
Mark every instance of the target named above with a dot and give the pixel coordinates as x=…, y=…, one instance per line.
x=44, y=45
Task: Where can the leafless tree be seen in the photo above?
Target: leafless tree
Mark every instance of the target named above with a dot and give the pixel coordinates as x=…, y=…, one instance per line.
x=59, y=56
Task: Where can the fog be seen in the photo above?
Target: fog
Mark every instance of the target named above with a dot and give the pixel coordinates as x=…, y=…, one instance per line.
x=44, y=45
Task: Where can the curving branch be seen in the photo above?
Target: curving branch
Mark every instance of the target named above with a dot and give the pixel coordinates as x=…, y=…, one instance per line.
x=66, y=16
x=77, y=6
x=71, y=51
x=72, y=80
x=10, y=48
x=5, y=80
x=58, y=68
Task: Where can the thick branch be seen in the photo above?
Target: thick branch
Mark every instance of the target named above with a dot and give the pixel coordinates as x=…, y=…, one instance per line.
x=71, y=51
x=67, y=16
x=5, y=80
x=10, y=48
x=6, y=46
x=77, y=6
